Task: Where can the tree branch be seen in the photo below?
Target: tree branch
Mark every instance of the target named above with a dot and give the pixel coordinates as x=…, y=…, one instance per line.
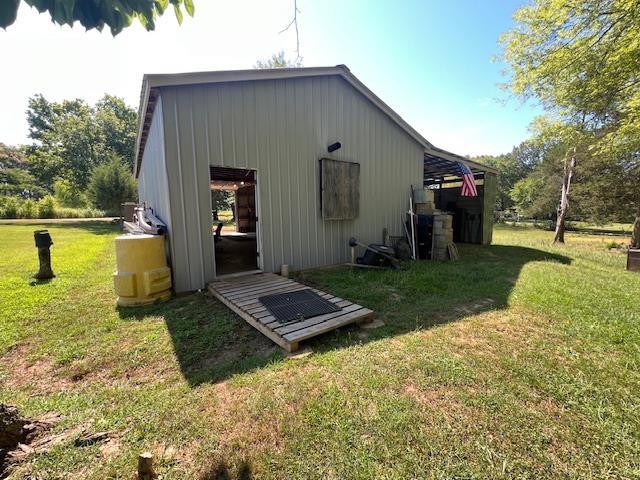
x=294, y=23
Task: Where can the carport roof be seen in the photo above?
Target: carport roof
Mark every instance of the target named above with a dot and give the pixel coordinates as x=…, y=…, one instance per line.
x=440, y=165
x=151, y=83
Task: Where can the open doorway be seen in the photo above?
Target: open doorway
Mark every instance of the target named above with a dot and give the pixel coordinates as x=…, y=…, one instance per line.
x=235, y=220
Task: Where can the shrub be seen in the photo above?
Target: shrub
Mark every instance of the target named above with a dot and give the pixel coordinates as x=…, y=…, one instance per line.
x=68, y=195
x=111, y=185
x=28, y=209
x=16, y=207
x=63, y=212
x=10, y=207
x=47, y=207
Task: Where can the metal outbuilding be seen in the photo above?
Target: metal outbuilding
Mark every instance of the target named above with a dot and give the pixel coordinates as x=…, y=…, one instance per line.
x=264, y=134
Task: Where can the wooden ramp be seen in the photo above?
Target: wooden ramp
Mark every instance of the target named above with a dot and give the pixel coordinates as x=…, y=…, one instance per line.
x=241, y=294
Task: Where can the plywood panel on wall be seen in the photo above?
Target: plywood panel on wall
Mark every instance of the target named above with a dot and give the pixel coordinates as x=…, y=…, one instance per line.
x=340, y=189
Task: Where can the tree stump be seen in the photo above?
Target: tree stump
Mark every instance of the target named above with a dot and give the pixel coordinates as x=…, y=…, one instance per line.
x=43, y=243
x=145, y=466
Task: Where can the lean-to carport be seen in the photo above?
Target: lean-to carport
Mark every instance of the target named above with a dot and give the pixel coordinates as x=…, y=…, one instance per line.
x=472, y=216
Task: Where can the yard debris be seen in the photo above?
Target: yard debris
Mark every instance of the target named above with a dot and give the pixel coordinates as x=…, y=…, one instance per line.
x=11, y=427
x=17, y=435
x=91, y=438
x=21, y=437
x=15, y=429
x=375, y=255
x=43, y=444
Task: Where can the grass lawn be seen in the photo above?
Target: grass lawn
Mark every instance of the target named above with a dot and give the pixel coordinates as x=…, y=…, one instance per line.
x=613, y=229
x=521, y=360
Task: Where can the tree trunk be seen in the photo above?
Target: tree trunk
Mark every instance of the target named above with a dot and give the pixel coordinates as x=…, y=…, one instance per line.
x=569, y=165
x=44, y=259
x=635, y=236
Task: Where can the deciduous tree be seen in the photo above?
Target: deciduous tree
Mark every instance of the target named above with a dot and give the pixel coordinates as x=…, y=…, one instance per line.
x=72, y=137
x=513, y=167
x=15, y=177
x=95, y=14
x=580, y=60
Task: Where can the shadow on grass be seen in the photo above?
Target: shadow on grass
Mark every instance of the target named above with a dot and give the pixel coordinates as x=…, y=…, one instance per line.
x=431, y=293
x=35, y=282
x=220, y=471
x=211, y=343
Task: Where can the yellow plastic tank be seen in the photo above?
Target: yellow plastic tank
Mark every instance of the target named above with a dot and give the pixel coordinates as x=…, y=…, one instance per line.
x=142, y=275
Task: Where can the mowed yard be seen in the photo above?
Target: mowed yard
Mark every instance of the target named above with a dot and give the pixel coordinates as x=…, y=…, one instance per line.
x=521, y=360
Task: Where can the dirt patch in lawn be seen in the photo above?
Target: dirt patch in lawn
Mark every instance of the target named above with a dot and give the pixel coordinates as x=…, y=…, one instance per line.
x=41, y=376
x=32, y=374
x=445, y=401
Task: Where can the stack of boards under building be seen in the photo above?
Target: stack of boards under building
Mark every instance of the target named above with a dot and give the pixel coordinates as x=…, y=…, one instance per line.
x=433, y=228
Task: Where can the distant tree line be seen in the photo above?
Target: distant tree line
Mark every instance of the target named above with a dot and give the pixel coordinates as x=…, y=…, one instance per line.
x=605, y=186
x=80, y=157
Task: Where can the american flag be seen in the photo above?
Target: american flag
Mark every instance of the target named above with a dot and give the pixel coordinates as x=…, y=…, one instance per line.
x=468, y=182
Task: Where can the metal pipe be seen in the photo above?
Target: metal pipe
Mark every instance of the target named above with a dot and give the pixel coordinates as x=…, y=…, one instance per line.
x=144, y=225
x=413, y=232
x=153, y=219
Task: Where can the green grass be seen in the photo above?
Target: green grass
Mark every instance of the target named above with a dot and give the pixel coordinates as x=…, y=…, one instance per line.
x=519, y=361
x=616, y=229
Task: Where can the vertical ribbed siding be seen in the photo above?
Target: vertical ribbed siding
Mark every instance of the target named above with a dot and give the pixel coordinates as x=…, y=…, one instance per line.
x=153, y=184
x=281, y=128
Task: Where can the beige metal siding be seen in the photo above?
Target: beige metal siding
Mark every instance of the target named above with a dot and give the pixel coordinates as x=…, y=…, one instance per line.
x=153, y=185
x=281, y=128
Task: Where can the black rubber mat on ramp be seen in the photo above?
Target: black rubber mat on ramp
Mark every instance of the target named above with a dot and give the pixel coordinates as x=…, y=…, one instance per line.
x=292, y=306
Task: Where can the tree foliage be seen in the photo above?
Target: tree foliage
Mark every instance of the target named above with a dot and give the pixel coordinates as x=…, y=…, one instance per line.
x=111, y=185
x=67, y=195
x=15, y=177
x=117, y=123
x=580, y=60
x=278, y=60
x=72, y=137
x=221, y=200
x=96, y=14
x=513, y=167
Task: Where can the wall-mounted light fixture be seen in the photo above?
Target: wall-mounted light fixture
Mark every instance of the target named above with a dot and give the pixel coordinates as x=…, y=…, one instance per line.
x=334, y=146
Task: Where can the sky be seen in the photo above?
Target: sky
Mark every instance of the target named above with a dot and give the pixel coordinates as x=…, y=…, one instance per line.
x=430, y=60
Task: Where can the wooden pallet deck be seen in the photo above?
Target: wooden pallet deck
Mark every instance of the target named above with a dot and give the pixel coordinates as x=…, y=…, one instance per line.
x=241, y=294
